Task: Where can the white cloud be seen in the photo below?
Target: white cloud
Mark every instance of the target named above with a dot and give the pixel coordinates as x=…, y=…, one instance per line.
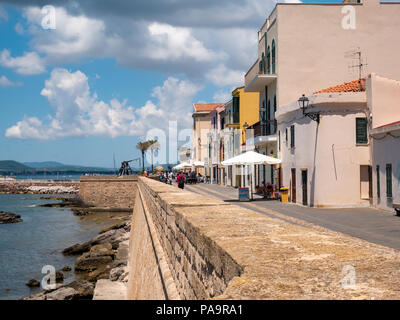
x=3, y=14
x=79, y=113
x=171, y=43
x=4, y=82
x=19, y=29
x=222, y=76
x=28, y=64
x=222, y=96
x=190, y=48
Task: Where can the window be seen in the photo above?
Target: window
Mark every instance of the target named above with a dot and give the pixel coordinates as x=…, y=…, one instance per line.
x=274, y=106
x=273, y=56
x=378, y=183
x=269, y=110
x=292, y=143
x=268, y=60
x=235, y=107
x=286, y=136
x=361, y=131
x=389, y=180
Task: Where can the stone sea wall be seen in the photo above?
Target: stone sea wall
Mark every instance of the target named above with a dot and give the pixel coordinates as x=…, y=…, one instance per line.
x=108, y=191
x=179, y=260
x=187, y=246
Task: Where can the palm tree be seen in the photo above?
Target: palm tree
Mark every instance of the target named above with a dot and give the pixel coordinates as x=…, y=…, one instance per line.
x=154, y=145
x=143, y=146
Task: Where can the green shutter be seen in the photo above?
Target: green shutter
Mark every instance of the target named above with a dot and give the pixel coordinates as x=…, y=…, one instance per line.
x=361, y=131
x=389, y=180
x=292, y=143
x=378, y=182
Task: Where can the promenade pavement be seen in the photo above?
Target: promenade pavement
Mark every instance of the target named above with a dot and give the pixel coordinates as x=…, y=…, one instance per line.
x=376, y=226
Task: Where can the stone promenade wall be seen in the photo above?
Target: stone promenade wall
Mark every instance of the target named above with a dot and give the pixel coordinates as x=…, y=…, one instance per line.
x=188, y=246
x=108, y=191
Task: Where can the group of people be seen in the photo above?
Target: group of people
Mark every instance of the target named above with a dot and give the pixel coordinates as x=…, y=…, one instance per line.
x=166, y=177
x=181, y=178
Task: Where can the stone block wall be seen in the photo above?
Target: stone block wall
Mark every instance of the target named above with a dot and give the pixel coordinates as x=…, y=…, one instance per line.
x=199, y=267
x=108, y=191
x=188, y=246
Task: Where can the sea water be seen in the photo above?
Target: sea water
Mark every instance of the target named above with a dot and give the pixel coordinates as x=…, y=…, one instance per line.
x=28, y=246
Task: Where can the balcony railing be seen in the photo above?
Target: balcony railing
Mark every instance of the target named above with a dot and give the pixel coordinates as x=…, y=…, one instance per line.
x=269, y=127
x=264, y=128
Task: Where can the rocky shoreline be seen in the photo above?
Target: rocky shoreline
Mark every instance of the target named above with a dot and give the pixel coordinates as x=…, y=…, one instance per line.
x=8, y=217
x=39, y=187
x=103, y=257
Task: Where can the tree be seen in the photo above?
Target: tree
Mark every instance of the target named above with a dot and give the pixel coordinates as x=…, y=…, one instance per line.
x=154, y=145
x=143, y=147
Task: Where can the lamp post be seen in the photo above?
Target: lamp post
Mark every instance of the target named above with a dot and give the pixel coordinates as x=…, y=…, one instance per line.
x=303, y=103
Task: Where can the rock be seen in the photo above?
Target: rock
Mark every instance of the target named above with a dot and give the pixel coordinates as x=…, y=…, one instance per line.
x=8, y=217
x=78, y=248
x=116, y=273
x=66, y=268
x=77, y=290
x=83, y=288
x=86, y=262
x=100, y=273
x=126, y=225
x=64, y=293
x=59, y=276
x=33, y=283
x=104, y=249
x=112, y=236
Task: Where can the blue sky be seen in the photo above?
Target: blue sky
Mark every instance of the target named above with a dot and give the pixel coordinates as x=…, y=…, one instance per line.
x=111, y=72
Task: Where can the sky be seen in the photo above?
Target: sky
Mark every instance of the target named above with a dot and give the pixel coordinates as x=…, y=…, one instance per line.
x=85, y=80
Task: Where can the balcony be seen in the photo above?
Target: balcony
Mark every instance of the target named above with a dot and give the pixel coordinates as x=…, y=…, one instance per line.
x=256, y=80
x=264, y=132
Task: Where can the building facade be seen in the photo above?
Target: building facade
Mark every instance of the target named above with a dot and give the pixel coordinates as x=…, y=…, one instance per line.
x=303, y=47
x=341, y=151
x=201, y=128
x=384, y=105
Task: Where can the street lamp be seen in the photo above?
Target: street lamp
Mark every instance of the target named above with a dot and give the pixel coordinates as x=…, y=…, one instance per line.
x=303, y=103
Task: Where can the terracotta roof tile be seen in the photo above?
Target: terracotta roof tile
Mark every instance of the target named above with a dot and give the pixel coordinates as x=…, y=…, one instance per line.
x=352, y=86
x=207, y=106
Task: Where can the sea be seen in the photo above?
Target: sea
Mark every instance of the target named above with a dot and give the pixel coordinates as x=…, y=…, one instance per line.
x=28, y=246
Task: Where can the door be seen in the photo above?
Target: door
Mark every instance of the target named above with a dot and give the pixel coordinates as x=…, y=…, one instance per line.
x=293, y=191
x=304, y=185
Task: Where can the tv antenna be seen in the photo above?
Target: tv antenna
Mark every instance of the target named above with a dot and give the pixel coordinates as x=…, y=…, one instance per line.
x=360, y=63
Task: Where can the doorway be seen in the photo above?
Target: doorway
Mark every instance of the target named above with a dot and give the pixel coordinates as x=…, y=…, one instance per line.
x=365, y=182
x=304, y=186
x=293, y=186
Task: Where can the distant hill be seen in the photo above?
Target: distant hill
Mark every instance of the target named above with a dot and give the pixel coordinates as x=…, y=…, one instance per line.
x=13, y=166
x=44, y=164
x=9, y=166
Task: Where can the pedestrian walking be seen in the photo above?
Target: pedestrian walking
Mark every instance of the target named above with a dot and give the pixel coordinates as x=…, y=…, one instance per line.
x=181, y=180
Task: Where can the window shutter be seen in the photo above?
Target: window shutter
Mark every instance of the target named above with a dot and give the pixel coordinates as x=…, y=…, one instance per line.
x=389, y=180
x=292, y=142
x=378, y=183
x=361, y=131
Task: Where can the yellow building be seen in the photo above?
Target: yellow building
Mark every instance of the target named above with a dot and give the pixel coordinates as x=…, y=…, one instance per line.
x=247, y=103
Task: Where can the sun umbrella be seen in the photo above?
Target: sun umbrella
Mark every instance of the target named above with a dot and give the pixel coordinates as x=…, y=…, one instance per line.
x=250, y=157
